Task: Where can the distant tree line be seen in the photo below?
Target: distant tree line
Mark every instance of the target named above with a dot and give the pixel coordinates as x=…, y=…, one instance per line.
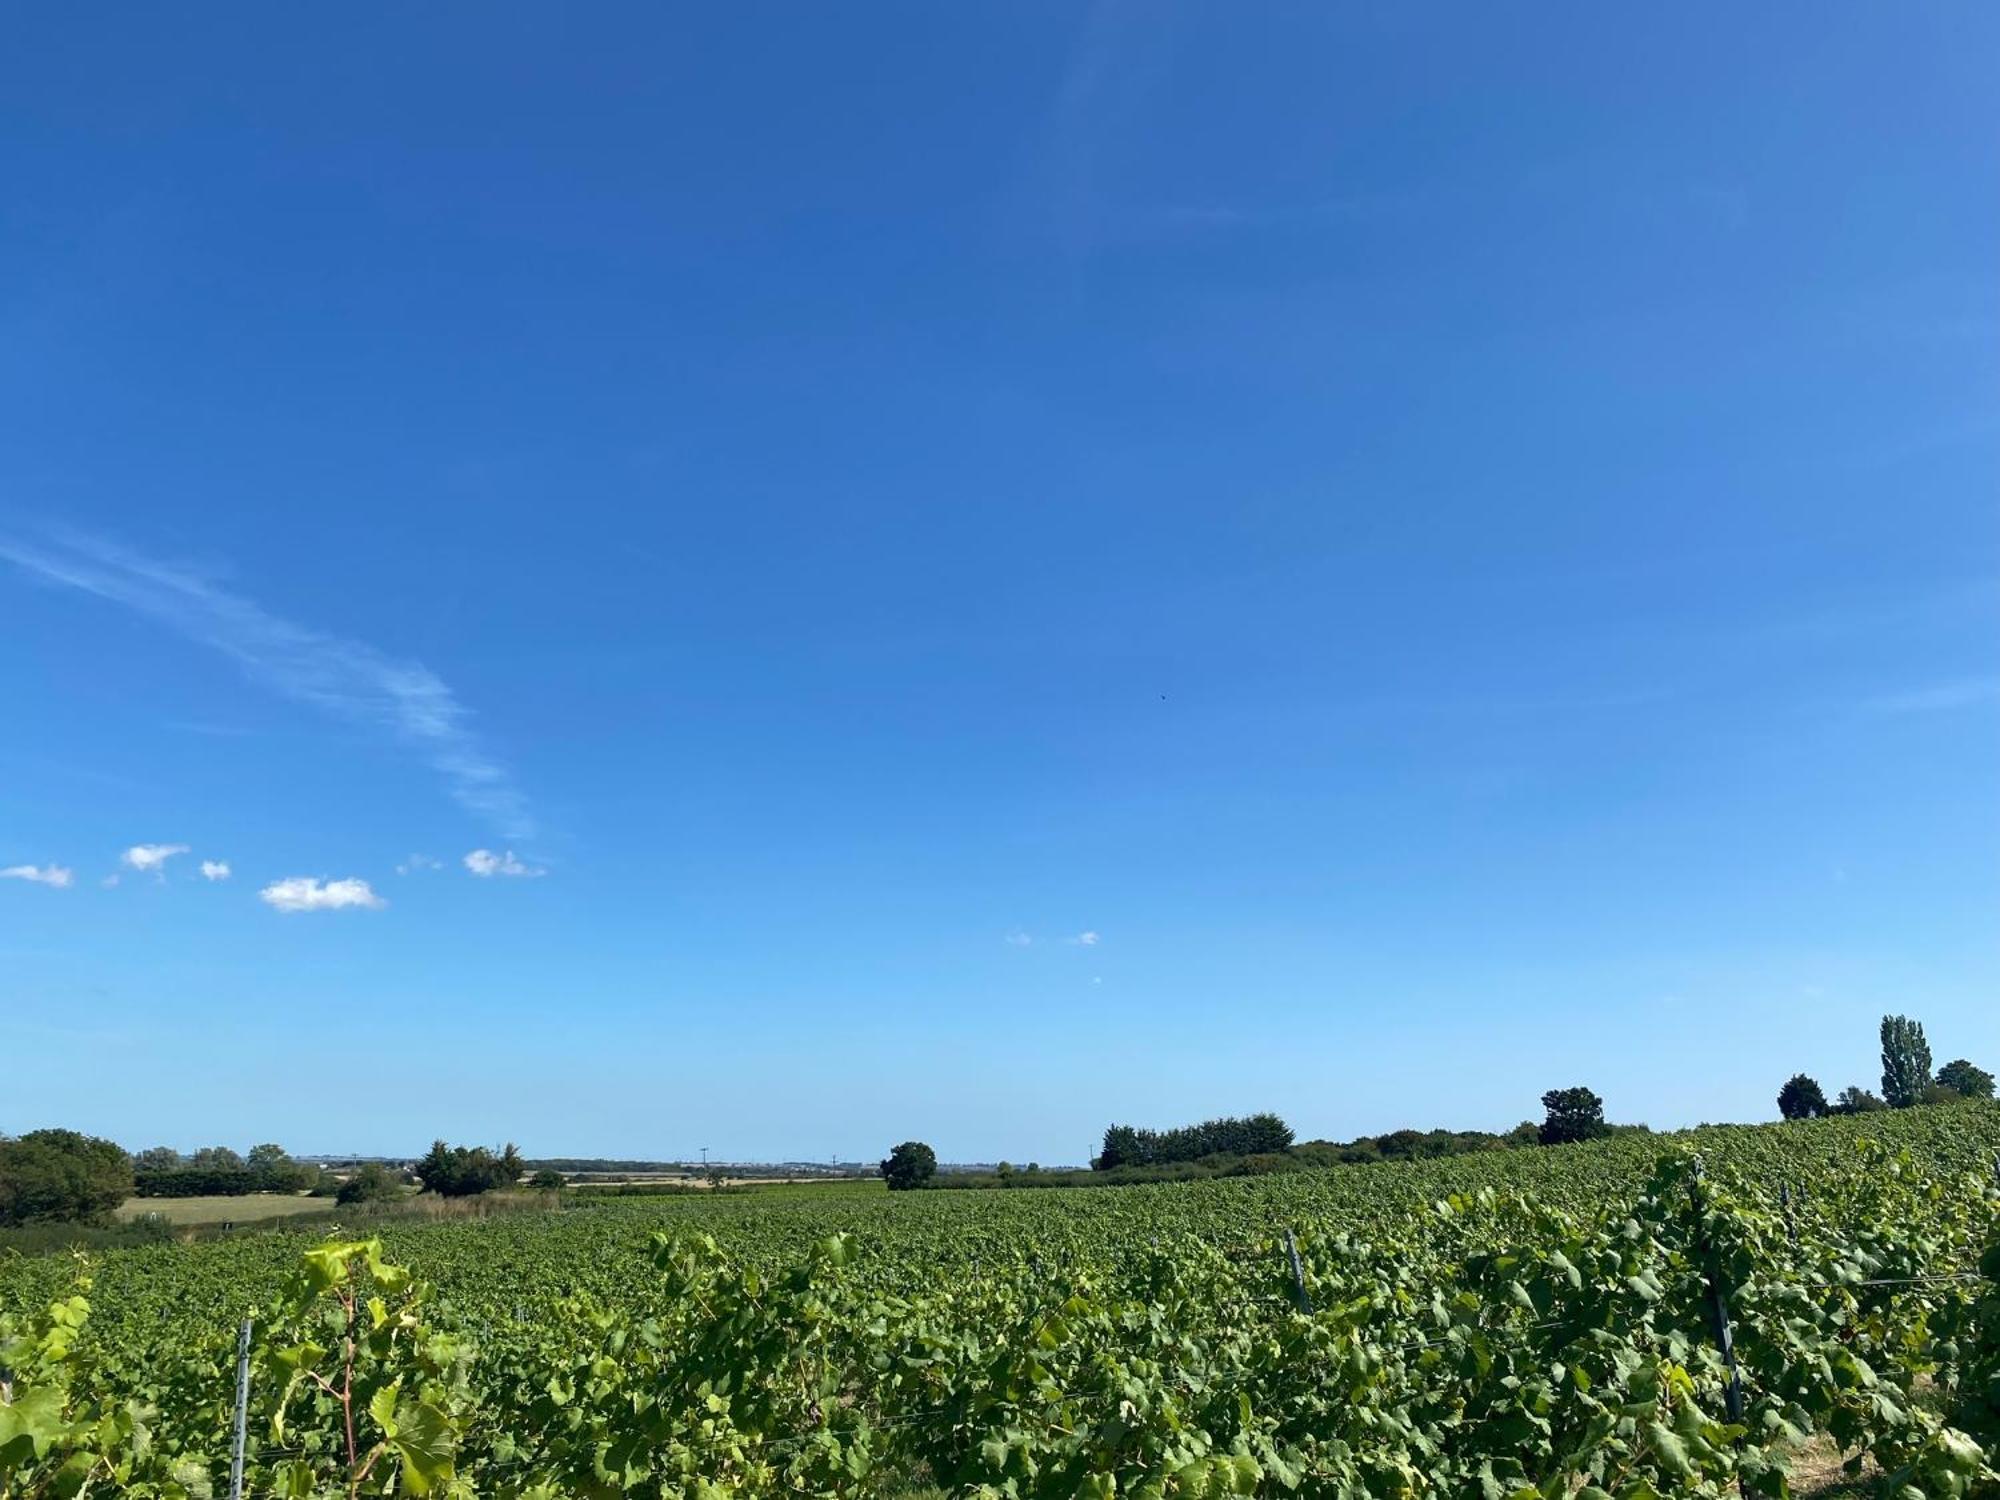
x=1907, y=1079
x=1246, y=1135
x=217, y=1171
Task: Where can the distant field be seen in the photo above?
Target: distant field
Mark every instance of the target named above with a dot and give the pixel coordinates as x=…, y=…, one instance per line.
x=244, y=1208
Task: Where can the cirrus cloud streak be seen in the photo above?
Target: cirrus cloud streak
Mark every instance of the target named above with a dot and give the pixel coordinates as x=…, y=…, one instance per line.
x=346, y=678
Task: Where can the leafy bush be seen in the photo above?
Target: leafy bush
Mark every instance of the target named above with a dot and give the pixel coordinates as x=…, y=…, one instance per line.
x=371, y=1183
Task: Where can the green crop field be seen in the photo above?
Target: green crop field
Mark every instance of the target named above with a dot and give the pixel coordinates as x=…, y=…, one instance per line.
x=1524, y=1325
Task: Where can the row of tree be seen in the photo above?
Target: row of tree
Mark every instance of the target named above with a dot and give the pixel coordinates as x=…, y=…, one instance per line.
x=1907, y=1079
x=62, y=1176
x=1245, y=1135
x=217, y=1171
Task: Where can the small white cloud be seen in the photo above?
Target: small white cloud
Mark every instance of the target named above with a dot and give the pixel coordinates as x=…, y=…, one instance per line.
x=1018, y=940
x=303, y=893
x=215, y=869
x=109, y=881
x=485, y=863
x=1085, y=940
x=54, y=875
x=419, y=862
x=144, y=857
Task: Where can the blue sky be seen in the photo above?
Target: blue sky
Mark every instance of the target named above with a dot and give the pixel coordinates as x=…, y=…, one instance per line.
x=989, y=569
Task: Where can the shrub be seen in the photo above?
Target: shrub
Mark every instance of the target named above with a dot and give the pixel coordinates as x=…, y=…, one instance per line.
x=372, y=1183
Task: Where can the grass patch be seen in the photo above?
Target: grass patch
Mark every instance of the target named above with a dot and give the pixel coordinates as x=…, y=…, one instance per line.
x=237, y=1208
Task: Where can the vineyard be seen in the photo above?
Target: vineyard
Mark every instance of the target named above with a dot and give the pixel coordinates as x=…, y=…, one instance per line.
x=1632, y=1318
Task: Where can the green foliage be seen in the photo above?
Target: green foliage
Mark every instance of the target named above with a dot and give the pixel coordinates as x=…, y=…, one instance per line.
x=1526, y=1325
x=459, y=1171
x=1250, y=1135
x=218, y=1172
x=1855, y=1100
x=1802, y=1098
x=1574, y=1114
x=910, y=1165
x=548, y=1180
x=1963, y=1079
x=371, y=1182
x=60, y=1176
x=1906, y=1061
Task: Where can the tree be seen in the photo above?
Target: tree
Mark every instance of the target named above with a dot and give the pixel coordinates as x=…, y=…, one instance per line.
x=371, y=1183
x=1961, y=1077
x=61, y=1176
x=1801, y=1098
x=157, y=1159
x=1855, y=1100
x=267, y=1157
x=459, y=1171
x=548, y=1180
x=1906, y=1061
x=216, y=1159
x=910, y=1165
x=1122, y=1148
x=1575, y=1114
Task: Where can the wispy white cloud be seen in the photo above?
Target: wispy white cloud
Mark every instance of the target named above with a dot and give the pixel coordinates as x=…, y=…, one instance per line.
x=419, y=862
x=343, y=677
x=1019, y=939
x=215, y=869
x=1959, y=692
x=304, y=893
x=151, y=858
x=485, y=863
x=1085, y=940
x=55, y=875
